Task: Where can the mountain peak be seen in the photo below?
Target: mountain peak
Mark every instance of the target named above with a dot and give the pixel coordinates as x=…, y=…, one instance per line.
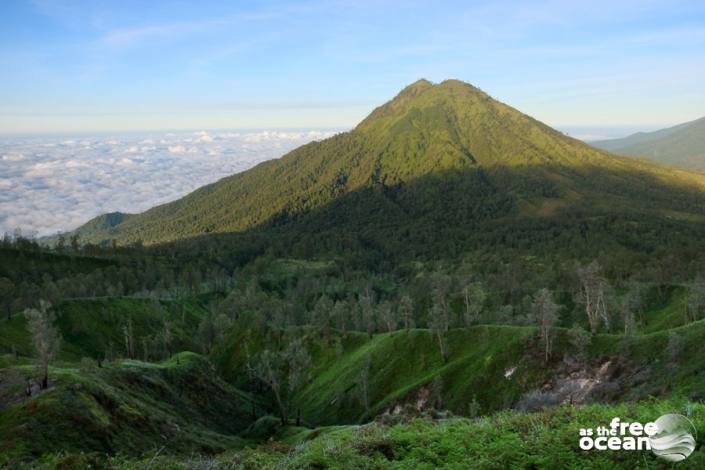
x=399, y=102
x=425, y=94
x=419, y=86
x=449, y=135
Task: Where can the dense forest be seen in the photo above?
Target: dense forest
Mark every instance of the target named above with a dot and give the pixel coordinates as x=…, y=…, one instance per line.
x=450, y=263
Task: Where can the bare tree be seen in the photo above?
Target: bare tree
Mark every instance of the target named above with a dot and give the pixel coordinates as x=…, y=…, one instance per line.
x=545, y=312
x=439, y=324
x=695, y=299
x=322, y=313
x=388, y=316
x=298, y=362
x=167, y=337
x=268, y=369
x=629, y=305
x=592, y=295
x=129, y=339
x=284, y=372
x=45, y=337
x=406, y=312
x=474, y=298
x=367, y=309
x=340, y=315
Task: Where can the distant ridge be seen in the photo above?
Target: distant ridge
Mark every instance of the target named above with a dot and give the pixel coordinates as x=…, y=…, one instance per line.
x=682, y=145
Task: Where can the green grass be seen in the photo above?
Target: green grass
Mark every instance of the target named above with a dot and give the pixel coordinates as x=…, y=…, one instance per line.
x=404, y=363
x=509, y=439
x=668, y=314
x=134, y=408
x=94, y=327
x=128, y=407
x=401, y=363
x=504, y=440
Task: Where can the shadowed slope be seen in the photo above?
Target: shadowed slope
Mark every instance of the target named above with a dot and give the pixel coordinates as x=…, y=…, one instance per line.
x=425, y=131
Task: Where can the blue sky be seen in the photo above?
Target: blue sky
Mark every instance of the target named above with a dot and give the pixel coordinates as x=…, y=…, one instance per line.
x=86, y=66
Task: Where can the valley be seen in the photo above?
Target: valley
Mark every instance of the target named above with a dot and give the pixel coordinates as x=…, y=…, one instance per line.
x=451, y=283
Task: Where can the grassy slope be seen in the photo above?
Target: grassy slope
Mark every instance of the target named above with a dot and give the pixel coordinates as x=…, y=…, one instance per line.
x=89, y=327
x=504, y=440
x=404, y=362
x=508, y=439
x=128, y=407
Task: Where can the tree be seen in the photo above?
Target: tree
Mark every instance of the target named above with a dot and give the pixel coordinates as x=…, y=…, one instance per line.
x=322, y=312
x=367, y=309
x=298, y=363
x=75, y=242
x=545, y=312
x=592, y=295
x=61, y=243
x=474, y=298
x=695, y=299
x=45, y=337
x=267, y=369
x=340, y=315
x=129, y=339
x=167, y=337
x=629, y=306
x=284, y=372
x=7, y=290
x=388, y=316
x=406, y=312
x=439, y=323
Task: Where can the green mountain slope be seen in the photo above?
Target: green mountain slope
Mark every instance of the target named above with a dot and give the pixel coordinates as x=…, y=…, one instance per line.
x=95, y=328
x=436, y=155
x=490, y=368
x=682, y=145
x=128, y=407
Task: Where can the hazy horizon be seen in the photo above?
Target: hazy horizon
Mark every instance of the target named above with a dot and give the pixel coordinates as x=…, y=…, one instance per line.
x=55, y=183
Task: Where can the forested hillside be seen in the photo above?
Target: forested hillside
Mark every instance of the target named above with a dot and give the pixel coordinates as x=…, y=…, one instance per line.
x=449, y=268
x=682, y=145
x=444, y=154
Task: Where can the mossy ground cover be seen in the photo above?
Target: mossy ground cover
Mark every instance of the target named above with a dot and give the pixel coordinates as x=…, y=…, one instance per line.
x=489, y=367
x=180, y=410
x=508, y=439
x=128, y=407
x=94, y=328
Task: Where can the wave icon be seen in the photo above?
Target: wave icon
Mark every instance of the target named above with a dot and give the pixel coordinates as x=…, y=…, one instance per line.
x=674, y=441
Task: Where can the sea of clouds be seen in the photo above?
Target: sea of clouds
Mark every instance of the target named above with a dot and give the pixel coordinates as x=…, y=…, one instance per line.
x=52, y=184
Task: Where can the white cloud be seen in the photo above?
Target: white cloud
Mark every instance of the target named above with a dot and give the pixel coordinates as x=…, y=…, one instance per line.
x=13, y=157
x=177, y=149
x=53, y=184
